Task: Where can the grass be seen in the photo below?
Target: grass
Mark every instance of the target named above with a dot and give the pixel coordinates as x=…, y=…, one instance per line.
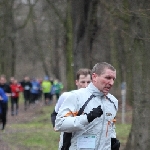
x=38, y=134
x=122, y=131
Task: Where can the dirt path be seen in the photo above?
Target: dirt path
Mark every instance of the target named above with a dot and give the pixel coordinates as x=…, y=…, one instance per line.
x=22, y=117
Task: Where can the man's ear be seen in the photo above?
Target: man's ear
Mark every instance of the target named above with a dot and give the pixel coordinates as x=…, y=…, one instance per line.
x=76, y=82
x=94, y=75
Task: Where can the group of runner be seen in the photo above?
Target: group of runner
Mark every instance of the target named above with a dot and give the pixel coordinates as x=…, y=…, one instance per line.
x=32, y=91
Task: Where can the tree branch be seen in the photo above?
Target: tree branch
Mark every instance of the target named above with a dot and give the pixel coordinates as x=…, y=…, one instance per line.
x=57, y=13
x=28, y=16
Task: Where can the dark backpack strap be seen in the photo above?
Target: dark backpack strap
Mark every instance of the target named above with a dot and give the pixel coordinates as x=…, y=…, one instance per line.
x=53, y=117
x=85, y=104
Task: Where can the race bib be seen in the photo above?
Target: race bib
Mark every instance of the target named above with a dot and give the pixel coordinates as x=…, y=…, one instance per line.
x=35, y=88
x=26, y=87
x=86, y=141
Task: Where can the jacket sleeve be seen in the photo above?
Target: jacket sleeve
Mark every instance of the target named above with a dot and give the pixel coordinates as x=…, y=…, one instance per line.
x=3, y=95
x=67, y=119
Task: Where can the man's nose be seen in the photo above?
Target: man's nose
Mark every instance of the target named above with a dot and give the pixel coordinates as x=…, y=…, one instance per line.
x=111, y=82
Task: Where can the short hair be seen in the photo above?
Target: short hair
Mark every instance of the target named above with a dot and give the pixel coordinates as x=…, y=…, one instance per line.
x=83, y=71
x=99, y=68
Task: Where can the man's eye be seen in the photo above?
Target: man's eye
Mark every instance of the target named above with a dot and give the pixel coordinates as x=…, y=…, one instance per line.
x=108, y=78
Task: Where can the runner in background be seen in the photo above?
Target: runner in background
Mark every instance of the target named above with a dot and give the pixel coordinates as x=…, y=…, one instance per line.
x=26, y=84
x=5, y=86
x=3, y=101
x=35, y=91
x=57, y=86
x=46, y=88
x=16, y=88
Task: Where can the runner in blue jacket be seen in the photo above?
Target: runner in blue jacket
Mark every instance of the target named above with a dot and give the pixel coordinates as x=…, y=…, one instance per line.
x=3, y=101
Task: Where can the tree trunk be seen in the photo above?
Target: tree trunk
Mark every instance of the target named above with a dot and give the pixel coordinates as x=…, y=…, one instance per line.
x=140, y=133
x=69, y=48
x=13, y=45
x=40, y=51
x=85, y=31
x=8, y=49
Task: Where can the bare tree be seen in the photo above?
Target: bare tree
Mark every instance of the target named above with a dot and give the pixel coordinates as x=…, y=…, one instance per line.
x=68, y=50
x=140, y=135
x=8, y=36
x=36, y=37
x=85, y=31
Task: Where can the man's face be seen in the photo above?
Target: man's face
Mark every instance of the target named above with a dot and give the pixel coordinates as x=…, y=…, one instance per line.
x=12, y=79
x=83, y=81
x=26, y=78
x=2, y=80
x=105, y=81
x=15, y=82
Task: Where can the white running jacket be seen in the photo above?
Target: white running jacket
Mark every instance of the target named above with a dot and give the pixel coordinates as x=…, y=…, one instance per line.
x=102, y=129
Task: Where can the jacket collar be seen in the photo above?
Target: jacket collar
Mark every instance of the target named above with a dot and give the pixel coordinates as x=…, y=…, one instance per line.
x=94, y=90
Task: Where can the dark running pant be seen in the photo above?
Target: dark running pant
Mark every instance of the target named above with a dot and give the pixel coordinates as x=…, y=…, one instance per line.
x=57, y=95
x=26, y=99
x=14, y=100
x=3, y=115
x=50, y=96
x=34, y=97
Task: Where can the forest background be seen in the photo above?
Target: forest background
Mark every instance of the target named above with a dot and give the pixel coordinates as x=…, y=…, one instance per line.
x=57, y=37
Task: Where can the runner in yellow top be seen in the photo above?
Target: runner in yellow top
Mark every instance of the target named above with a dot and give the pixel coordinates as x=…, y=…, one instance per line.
x=46, y=88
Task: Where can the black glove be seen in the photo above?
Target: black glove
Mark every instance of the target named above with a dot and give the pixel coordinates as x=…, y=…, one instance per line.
x=96, y=112
x=115, y=144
